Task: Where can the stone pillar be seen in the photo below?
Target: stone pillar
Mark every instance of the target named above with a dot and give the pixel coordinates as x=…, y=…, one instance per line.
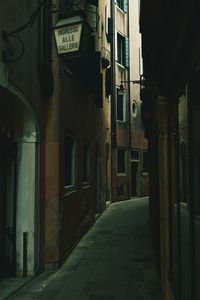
x=162, y=109
x=26, y=195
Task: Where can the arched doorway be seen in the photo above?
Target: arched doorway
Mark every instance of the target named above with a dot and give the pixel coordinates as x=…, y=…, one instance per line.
x=7, y=196
x=18, y=184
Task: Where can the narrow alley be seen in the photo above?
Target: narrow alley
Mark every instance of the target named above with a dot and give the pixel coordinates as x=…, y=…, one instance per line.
x=113, y=261
x=100, y=150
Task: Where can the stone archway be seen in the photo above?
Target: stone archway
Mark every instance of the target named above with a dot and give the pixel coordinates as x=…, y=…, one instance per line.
x=25, y=136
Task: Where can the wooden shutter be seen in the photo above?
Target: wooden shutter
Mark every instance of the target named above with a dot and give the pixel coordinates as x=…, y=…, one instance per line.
x=126, y=52
x=110, y=30
x=125, y=5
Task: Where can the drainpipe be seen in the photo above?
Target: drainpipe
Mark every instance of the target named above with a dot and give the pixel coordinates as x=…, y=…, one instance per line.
x=113, y=101
x=45, y=57
x=113, y=78
x=129, y=109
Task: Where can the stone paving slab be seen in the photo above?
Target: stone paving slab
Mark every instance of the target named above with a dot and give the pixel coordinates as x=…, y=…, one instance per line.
x=114, y=261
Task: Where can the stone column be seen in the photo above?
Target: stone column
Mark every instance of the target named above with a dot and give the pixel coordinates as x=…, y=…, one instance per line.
x=26, y=196
x=162, y=109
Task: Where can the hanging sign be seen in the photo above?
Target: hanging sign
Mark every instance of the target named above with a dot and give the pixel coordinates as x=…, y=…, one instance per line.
x=68, y=38
x=72, y=35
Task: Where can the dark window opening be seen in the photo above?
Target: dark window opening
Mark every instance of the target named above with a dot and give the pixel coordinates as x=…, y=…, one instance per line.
x=86, y=163
x=121, y=161
x=120, y=107
x=120, y=49
x=69, y=161
x=135, y=155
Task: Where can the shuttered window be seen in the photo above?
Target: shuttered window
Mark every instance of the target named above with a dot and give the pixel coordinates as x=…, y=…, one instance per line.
x=123, y=5
x=109, y=34
x=123, y=50
x=120, y=3
x=120, y=49
x=126, y=52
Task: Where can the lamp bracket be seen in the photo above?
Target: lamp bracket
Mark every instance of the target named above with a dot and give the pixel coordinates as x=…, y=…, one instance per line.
x=140, y=81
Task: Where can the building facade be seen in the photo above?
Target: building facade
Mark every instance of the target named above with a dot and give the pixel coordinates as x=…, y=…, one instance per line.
x=70, y=136
x=129, y=147
x=55, y=134
x=171, y=113
x=21, y=135
x=139, y=172
x=78, y=134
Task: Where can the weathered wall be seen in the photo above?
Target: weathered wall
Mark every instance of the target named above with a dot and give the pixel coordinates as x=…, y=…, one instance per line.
x=21, y=94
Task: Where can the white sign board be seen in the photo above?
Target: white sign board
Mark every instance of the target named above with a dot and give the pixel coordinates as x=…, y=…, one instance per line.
x=68, y=38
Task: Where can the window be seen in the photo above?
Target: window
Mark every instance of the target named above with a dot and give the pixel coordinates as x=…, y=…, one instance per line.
x=135, y=155
x=86, y=163
x=140, y=62
x=120, y=3
x=121, y=161
x=122, y=50
x=145, y=162
x=121, y=106
x=106, y=20
x=69, y=163
x=123, y=5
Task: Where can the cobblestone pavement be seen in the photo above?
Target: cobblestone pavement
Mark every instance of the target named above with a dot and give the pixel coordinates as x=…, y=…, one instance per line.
x=113, y=261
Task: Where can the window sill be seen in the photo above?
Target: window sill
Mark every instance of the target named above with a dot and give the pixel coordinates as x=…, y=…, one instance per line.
x=145, y=173
x=137, y=160
x=69, y=190
x=120, y=9
x=120, y=66
x=86, y=185
x=121, y=124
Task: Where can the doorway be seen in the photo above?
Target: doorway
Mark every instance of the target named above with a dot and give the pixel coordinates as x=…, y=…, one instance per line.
x=7, y=206
x=18, y=177
x=134, y=178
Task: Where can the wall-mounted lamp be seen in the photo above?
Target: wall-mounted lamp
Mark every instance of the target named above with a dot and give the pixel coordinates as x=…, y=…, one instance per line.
x=140, y=81
x=121, y=87
x=72, y=34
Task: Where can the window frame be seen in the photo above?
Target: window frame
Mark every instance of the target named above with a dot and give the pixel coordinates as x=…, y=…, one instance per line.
x=120, y=57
